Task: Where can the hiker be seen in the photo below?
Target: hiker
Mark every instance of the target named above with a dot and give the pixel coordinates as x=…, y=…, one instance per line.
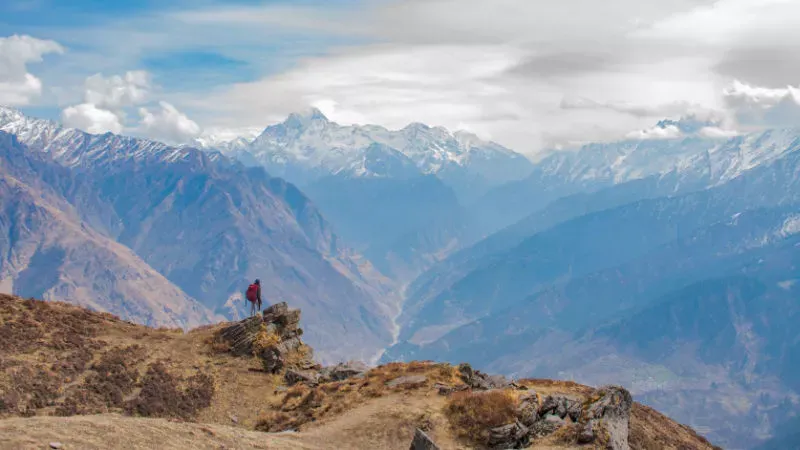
x=253, y=295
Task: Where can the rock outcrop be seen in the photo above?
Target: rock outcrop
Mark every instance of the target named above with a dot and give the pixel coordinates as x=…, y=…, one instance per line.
x=610, y=414
x=601, y=418
x=513, y=435
x=422, y=441
x=273, y=337
x=479, y=380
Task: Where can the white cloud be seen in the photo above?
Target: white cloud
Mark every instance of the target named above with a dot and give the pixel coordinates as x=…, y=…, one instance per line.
x=168, y=124
x=116, y=92
x=17, y=85
x=717, y=133
x=660, y=110
x=509, y=69
x=726, y=22
x=759, y=106
x=20, y=92
x=92, y=119
x=389, y=85
x=104, y=101
x=498, y=68
x=657, y=132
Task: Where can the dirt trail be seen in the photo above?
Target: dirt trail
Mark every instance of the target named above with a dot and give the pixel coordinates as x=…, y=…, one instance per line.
x=386, y=423
x=103, y=432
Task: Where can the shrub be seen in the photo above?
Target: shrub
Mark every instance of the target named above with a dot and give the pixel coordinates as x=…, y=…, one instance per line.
x=114, y=377
x=162, y=394
x=274, y=421
x=473, y=414
x=265, y=339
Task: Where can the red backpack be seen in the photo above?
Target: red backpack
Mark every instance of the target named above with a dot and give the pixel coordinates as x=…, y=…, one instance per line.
x=252, y=293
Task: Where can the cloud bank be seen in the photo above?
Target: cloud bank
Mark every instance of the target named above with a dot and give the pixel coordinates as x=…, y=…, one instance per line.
x=530, y=75
x=18, y=87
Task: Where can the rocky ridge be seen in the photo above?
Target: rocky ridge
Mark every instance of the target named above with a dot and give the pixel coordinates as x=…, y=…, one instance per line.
x=82, y=373
x=596, y=417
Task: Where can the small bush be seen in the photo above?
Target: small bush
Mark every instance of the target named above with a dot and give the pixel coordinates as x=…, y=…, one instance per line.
x=29, y=389
x=113, y=378
x=274, y=421
x=299, y=356
x=473, y=414
x=265, y=339
x=162, y=394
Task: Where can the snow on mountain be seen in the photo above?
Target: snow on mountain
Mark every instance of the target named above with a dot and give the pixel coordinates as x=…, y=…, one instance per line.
x=694, y=161
x=738, y=155
x=227, y=141
x=721, y=159
x=308, y=146
x=208, y=225
x=73, y=148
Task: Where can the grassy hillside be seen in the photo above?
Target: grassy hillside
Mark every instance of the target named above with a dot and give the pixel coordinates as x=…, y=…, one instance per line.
x=88, y=379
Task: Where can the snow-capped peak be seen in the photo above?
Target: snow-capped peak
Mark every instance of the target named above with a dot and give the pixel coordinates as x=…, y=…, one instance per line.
x=305, y=118
x=72, y=147
x=8, y=114
x=309, y=142
x=226, y=140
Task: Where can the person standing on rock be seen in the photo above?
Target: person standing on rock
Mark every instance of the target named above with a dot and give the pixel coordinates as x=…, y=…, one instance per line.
x=253, y=295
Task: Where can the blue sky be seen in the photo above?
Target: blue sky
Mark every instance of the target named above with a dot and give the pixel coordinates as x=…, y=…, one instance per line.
x=112, y=37
x=531, y=75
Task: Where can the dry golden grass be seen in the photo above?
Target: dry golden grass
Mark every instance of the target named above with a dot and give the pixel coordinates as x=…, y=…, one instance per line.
x=265, y=339
x=473, y=414
x=297, y=357
x=60, y=358
x=651, y=430
x=301, y=404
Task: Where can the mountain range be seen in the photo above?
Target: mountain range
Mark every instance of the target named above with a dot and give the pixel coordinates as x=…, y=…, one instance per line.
x=670, y=264
x=198, y=224
x=680, y=278
x=400, y=196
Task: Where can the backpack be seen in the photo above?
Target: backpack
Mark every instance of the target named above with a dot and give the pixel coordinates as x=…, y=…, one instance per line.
x=252, y=293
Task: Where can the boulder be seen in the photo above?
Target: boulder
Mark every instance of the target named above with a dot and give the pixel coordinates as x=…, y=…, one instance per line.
x=481, y=381
x=272, y=359
x=343, y=371
x=514, y=435
x=445, y=389
x=611, y=413
x=421, y=441
x=586, y=435
x=561, y=406
x=293, y=377
x=528, y=409
x=547, y=425
x=275, y=313
x=409, y=381
x=466, y=371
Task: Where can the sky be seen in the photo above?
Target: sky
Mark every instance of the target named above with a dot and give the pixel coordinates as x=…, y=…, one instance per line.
x=532, y=75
